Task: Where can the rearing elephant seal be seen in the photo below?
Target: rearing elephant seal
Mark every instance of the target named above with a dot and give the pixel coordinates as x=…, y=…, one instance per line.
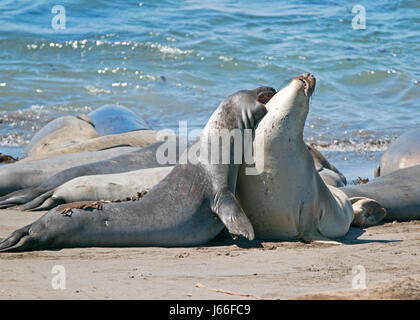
x=288, y=199
x=189, y=207
x=404, y=152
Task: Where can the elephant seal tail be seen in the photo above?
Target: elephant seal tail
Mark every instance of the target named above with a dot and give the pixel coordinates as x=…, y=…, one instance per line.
x=19, y=197
x=19, y=240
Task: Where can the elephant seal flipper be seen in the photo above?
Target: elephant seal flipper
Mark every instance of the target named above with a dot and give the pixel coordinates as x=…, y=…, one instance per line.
x=182, y=210
x=233, y=217
x=367, y=212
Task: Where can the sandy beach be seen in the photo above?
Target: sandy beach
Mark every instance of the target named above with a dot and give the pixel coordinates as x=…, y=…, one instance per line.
x=389, y=253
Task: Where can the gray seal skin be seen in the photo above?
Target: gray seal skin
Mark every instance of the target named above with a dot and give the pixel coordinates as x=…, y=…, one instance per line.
x=189, y=207
x=114, y=119
x=404, y=152
x=25, y=175
x=397, y=192
x=140, y=158
x=59, y=132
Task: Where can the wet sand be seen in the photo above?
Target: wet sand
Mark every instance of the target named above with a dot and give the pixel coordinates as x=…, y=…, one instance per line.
x=390, y=254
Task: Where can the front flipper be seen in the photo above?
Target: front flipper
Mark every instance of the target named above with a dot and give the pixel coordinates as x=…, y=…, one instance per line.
x=227, y=208
x=367, y=212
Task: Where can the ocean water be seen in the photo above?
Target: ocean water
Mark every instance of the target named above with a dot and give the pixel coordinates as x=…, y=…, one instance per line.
x=177, y=60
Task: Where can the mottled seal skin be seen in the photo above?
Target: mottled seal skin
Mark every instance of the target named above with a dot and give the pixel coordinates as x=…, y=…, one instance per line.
x=189, y=207
x=140, y=158
x=397, y=192
x=288, y=200
x=108, y=187
x=61, y=132
x=115, y=119
x=404, y=152
x=18, y=175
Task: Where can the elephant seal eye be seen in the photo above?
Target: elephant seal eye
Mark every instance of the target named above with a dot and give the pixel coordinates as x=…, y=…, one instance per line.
x=265, y=96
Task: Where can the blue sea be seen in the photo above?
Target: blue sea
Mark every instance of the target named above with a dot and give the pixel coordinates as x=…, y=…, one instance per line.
x=177, y=60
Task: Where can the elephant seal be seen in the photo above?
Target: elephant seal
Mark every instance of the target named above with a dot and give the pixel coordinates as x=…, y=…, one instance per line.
x=18, y=175
x=109, y=187
x=124, y=185
x=114, y=119
x=189, y=207
x=288, y=200
x=140, y=138
x=140, y=158
x=60, y=132
x=404, y=152
x=328, y=172
x=396, y=192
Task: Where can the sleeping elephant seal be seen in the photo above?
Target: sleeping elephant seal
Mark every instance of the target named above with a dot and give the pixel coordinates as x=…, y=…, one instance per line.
x=124, y=185
x=288, y=199
x=404, y=152
x=60, y=132
x=189, y=207
x=141, y=138
x=138, y=158
x=114, y=119
x=396, y=192
x=109, y=187
x=19, y=175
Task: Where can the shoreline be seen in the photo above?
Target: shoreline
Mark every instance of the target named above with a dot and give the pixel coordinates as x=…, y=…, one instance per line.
x=270, y=270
